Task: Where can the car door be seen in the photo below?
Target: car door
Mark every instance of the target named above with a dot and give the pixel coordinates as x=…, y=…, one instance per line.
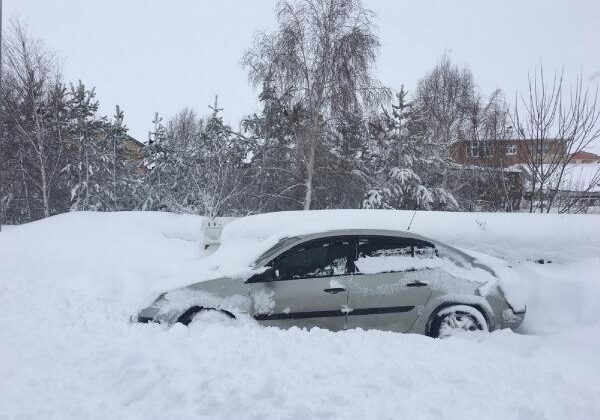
x=391, y=283
x=309, y=288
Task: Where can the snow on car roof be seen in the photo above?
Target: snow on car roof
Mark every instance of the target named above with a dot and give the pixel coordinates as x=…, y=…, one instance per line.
x=297, y=223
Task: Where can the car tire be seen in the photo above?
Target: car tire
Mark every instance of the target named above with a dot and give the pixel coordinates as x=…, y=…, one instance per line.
x=455, y=319
x=189, y=315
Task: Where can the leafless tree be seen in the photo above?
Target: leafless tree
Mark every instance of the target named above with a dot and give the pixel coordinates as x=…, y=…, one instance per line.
x=184, y=129
x=321, y=58
x=488, y=124
x=443, y=98
x=445, y=95
x=33, y=77
x=554, y=125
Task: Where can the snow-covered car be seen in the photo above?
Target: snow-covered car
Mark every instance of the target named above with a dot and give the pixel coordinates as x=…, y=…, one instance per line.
x=357, y=278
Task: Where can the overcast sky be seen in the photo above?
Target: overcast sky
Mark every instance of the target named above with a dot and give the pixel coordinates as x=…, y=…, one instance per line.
x=148, y=55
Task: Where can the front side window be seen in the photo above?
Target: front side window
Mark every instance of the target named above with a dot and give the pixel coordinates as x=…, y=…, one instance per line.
x=320, y=258
x=388, y=254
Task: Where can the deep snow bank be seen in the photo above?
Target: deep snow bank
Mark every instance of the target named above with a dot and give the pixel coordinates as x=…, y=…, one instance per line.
x=69, y=283
x=75, y=242
x=129, y=256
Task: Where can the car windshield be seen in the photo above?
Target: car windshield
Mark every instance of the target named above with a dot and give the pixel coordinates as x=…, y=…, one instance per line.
x=282, y=244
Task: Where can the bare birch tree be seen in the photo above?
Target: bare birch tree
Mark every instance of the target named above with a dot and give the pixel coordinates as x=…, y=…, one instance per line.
x=444, y=95
x=321, y=58
x=33, y=77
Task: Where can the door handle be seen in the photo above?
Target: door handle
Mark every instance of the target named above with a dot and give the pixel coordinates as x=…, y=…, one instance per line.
x=416, y=284
x=334, y=290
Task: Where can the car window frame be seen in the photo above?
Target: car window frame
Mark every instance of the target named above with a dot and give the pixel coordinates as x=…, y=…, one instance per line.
x=390, y=238
x=350, y=256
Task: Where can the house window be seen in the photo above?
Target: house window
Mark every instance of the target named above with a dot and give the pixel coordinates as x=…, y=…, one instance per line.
x=511, y=150
x=479, y=149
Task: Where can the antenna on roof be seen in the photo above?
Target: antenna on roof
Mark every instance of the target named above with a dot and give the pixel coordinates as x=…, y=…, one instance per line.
x=411, y=220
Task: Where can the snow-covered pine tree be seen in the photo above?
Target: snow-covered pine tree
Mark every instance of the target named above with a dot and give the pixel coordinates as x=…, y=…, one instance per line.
x=90, y=165
x=123, y=168
x=277, y=182
x=156, y=166
x=196, y=166
x=404, y=167
x=219, y=168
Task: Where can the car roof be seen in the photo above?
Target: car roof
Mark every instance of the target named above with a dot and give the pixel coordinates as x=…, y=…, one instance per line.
x=364, y=232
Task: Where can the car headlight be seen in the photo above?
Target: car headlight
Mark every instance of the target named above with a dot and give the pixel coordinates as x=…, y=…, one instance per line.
x=148, y=314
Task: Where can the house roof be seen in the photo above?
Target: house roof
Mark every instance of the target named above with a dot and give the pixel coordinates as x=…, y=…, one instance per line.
x=585, y=156
x=133, y=140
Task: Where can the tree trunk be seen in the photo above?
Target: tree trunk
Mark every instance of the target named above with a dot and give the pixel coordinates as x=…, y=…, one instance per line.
x=87, y=179
x=44, y=176
x=45, y=191
x=25, y=186
x=310, y=169
x=114, y=177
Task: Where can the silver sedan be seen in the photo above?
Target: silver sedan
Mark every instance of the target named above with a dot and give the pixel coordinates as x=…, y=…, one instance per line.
x=358, y=278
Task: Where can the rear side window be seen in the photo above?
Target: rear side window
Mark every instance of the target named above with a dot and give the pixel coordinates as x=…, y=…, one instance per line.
x=321, y=258
x=380, y=254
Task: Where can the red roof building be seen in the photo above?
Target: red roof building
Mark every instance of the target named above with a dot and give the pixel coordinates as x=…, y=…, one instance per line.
x=585, y=157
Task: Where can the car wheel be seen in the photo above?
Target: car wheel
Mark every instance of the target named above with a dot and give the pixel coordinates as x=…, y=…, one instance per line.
x=196, y=313
x=457, y=319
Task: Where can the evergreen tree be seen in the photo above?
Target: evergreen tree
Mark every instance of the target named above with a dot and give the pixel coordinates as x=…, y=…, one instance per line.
x=219, y=169
x=403, y=166
x=122, y=166
x=277, y=182
x=200, y=170
x=90, y=164
x=156, y=166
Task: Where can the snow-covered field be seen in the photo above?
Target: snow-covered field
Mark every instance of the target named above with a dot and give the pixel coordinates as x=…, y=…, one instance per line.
x=68, y=285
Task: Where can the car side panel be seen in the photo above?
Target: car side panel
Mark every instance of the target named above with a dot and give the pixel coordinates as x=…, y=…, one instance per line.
x=302, y=303
x=389, y=301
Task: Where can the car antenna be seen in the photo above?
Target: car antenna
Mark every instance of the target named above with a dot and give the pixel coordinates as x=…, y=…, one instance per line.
x=411, y=220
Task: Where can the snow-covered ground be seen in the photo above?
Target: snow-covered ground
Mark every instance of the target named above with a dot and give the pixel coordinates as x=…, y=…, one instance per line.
x=68, y=285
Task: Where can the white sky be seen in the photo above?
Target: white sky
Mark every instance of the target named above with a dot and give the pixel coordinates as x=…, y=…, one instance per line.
x=149, y=55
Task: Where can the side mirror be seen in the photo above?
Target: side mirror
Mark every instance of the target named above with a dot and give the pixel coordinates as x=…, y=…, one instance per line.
x=266, y=276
